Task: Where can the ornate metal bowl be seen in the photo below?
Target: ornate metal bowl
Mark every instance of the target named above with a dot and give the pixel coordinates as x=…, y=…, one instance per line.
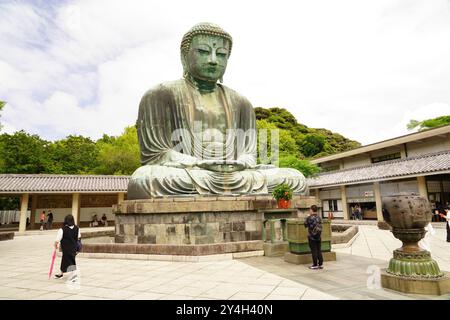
x=406, y=211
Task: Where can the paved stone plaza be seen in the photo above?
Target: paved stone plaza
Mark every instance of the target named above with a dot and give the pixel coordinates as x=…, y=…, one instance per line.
x=24, y=264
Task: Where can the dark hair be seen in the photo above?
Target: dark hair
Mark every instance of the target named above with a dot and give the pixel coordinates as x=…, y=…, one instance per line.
x=314, y=208
x=69, y=221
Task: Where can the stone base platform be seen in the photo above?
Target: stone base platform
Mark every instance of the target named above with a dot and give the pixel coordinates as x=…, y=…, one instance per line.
x=437, y=286
x=170, y=249
x=307, y=258
x=173, y=258
x=276, y=248
x=197, y=225
x=6, y=236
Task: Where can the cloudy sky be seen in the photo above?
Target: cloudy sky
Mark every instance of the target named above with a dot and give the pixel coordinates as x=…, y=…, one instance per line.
x=359, y=68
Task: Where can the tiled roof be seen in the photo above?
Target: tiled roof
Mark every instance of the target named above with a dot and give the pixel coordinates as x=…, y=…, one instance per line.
x=16, y=183
x=429, y=163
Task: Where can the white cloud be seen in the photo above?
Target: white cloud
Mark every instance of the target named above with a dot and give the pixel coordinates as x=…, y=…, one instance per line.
x=359, y=68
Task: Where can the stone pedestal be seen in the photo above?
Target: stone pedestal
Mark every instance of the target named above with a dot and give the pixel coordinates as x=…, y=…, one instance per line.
x=431, y=286
x=307, y=258
x=181, y=221
x=276, y=248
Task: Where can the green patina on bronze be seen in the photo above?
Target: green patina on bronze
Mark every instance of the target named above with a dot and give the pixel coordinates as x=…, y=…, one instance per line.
x=408, y=215
x=186, y=163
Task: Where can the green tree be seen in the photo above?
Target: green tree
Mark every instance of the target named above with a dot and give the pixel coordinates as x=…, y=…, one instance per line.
x=283, y=119
x=429, y=123
x=2, y=104
x=119, y=155
x=74, y=155
x=304, y=166
x=312, y=144
x=286, y=143
x=23, y=153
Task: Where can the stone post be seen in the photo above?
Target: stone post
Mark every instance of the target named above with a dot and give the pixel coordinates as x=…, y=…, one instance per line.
x=23, y=212
x=76, y=207
x=344, y=203
x=34, y=199
x=378, y=202
x=422, y=184
x=120, y=197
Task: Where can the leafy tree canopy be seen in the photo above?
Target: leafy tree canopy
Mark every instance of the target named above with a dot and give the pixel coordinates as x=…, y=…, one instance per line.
x=74, y=155
x=2, y=104
x=429, y=123
x=23, y=153
x=310, y=142
x=119, y=155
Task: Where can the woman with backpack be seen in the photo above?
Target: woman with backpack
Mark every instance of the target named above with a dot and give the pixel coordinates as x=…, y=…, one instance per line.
x=67, y=239
x=314, y=225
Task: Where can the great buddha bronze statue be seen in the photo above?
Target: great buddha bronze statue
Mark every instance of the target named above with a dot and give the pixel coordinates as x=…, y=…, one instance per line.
x=198, y=136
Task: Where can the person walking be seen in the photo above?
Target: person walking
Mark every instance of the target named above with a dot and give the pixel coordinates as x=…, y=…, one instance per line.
x=314, y=225
x=49, y=220
x=67, y=239
x=42, y=220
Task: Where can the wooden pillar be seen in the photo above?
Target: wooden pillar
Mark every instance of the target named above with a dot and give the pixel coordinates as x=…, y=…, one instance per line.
x=76, y=207
x=120, y=197
x=34, y=200
x=422, y=184
x=344, y=203
x=23, y=212
x=378, y=201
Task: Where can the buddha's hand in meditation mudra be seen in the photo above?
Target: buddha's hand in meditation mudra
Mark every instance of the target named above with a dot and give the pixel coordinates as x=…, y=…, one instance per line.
x=210, y=165
x=222, y=165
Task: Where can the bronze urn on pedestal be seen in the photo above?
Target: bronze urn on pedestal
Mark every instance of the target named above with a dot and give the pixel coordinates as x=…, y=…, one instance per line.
x=411, y=270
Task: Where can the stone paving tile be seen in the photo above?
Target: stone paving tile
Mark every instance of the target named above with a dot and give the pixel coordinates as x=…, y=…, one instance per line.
x=81, y=297
x=191, y=291
x=242, y=295
x=290, y=291
x=313, y=294
x=24, y=265
x=176, y=297
x=280, y=297
x=204, y=284
x=146, y=296
x=222, y=291
x=51, y=296
x=165, y=288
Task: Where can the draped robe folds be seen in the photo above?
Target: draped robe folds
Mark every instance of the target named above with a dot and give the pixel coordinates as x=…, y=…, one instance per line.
x=170, y=126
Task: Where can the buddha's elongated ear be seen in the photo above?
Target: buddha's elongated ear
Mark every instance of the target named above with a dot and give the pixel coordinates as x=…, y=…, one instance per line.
x=184, y=63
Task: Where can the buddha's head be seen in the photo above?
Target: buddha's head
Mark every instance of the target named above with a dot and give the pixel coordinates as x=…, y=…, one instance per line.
x=205, y=50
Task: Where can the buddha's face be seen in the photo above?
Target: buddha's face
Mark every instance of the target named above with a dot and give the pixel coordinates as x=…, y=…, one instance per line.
x=207, y=57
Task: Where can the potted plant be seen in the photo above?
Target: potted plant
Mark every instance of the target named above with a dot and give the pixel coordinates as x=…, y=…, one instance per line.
x=283, y=194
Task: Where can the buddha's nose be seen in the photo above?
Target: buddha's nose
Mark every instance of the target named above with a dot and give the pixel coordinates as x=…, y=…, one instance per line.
x=213, y=58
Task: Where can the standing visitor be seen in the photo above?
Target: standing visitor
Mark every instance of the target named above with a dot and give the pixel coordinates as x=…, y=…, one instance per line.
x=314, y=225
x=67, y=239
x=42, y=220
x=358, y=212
x=50, y=220
x=104, y=220
x=446, y=216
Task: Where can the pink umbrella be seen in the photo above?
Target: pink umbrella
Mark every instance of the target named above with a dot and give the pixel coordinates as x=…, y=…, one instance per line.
x=52, y=263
